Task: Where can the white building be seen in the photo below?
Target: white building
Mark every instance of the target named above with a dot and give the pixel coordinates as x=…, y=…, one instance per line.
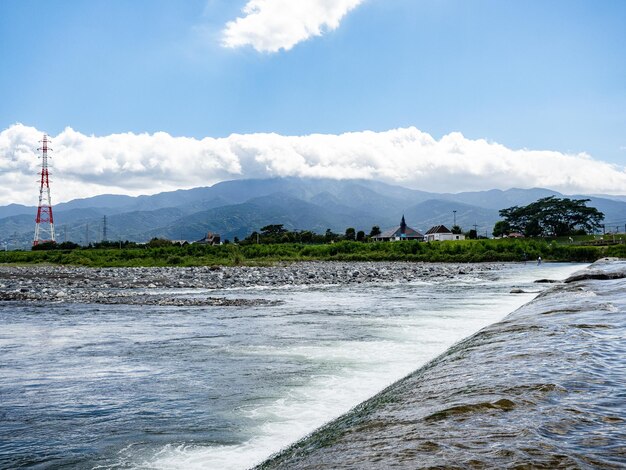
x=440, y=233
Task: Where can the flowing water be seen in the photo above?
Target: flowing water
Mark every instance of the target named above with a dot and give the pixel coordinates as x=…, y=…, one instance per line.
x=544, y=388
x=118, y=386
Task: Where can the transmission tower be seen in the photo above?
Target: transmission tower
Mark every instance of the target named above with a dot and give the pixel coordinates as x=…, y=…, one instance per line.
x=44, y=226
x=104, y=228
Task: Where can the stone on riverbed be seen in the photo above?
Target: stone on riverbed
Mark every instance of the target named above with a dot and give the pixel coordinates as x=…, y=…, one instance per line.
x=84, y=285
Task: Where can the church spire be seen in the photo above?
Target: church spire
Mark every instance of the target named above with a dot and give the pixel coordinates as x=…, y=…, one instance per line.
x=403, y=225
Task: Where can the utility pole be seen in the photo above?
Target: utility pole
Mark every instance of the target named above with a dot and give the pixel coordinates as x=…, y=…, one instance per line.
x=87, y=235
x=454, y=214
x=603, y=229
x=64, y=233
x=104, y=228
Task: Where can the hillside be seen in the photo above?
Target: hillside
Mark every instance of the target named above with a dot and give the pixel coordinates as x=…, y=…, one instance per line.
x=236, y=208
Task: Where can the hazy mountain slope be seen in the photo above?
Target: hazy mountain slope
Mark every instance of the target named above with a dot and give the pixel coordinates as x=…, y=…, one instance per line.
x=236, y=208
x=17, y=230
x=79, y=225
x=16, y=209
x=432, y=212
x=203, y=204
x=611, y=196
x=614, y=211
x=21, y=227
x=368, y=205
x=241, y=219
x=103, y=201
x=137, y=225
x=498, y=199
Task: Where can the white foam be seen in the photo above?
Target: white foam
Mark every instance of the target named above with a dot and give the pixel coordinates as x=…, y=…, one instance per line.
x=359, y=370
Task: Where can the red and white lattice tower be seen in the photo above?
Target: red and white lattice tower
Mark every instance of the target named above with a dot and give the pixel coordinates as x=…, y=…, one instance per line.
x=44, y=227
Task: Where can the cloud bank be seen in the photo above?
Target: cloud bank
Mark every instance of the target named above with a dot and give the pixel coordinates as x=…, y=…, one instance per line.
x=134, y=164
x=271, y=25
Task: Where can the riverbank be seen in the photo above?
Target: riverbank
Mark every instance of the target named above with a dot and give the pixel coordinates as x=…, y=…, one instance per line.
x=542, y=388
x=145, y=286
x=464, y=251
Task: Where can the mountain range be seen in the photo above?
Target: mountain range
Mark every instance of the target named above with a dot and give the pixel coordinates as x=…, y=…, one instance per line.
x=236, y=208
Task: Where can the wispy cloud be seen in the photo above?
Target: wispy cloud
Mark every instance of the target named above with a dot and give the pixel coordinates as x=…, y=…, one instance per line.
x=149, y=163
x=271, y=25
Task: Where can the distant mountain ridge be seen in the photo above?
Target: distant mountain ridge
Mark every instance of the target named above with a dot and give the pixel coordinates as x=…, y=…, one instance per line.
x=236, y=208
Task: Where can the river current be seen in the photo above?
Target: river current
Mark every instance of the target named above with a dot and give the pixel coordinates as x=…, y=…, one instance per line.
x=127, y=386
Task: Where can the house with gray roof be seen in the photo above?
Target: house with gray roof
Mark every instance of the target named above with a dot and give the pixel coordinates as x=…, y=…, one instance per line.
x=399, y=233
x=440, y=233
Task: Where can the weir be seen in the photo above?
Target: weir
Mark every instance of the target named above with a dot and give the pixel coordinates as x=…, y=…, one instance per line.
x=542, y=388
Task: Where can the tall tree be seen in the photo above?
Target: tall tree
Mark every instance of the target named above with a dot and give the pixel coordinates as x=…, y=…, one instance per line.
x=501, y=228
x=552, y=216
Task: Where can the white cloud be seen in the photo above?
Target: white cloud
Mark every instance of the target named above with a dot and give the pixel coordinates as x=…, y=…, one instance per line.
x=135, y=164
x=271, y=25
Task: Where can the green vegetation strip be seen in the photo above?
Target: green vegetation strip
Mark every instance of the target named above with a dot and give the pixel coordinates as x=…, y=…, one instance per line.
x=468, y=251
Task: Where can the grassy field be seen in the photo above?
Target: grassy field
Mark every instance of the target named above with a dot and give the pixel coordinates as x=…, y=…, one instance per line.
x=468, y=251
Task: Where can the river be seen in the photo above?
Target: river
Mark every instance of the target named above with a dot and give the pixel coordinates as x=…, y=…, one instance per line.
x=129, y=386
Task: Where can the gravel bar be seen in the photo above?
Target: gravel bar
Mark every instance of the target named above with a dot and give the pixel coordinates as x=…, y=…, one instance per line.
x=141, y=285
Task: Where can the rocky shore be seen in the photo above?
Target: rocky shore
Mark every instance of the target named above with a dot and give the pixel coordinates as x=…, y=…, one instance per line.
x=142, y=286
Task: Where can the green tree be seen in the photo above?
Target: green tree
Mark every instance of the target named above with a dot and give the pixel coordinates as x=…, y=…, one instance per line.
x=533, y=229
x=276, y=229
x=456, y=229
x=44, y=246
x=159, y=242
x=375, y=231
x=552, y=216
x=501, y=228
x=360, y=236
x=472, y=234
x=350, y=233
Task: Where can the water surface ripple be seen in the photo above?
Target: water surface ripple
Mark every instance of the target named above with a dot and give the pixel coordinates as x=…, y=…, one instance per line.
x=544, y=388
x=130, y=386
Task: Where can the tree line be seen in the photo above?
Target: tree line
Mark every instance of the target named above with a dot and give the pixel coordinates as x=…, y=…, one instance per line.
x=277, y=233
x=466, y=251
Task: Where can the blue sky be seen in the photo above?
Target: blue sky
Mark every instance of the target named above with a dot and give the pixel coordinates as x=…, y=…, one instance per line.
x=531, y=74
